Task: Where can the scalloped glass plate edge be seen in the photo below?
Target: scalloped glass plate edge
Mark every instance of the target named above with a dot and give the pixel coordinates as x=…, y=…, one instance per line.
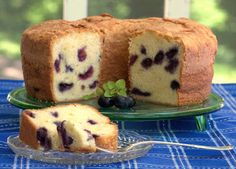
x=125, y=138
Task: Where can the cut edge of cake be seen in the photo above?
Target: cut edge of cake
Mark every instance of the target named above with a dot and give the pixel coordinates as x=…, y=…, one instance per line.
x=38, y=134
x=155, y=61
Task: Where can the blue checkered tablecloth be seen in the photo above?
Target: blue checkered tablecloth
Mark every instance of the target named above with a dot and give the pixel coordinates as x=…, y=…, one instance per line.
x=221, y=131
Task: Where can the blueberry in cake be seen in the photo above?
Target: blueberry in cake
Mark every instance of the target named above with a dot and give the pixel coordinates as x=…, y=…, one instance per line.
x=72, y=127
x=168, y=61
x=59, y=63
x=166, y=68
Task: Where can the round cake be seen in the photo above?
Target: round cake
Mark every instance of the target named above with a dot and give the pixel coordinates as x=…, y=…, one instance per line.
x=167, y=61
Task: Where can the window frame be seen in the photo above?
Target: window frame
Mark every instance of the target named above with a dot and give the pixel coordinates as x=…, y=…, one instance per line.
x=77, y=9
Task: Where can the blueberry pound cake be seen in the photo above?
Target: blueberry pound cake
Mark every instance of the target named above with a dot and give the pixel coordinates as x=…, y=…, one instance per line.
x=72, y=127
x=163, y=60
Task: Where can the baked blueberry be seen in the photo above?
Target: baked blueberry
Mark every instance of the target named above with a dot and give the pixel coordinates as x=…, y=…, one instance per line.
x=54, y=114
x=143, y=50
x=92, y=122
x=133, y=59
x=57, y=65
x=44, y=140
x=175, y=85
x=171, y=53
x=87, y=74
x=172, y=65
x=137, y=91
x=82, y=54
x=68, y=68
x=65, y=86
x=159, y=57
x=93, y=85
x=66, y=140
x=146, y=63
x=105, y=101
x=30, y=114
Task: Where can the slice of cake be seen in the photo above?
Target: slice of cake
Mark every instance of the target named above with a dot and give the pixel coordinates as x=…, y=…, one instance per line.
x=171, y=68
x=71, y=127
x=60, y=63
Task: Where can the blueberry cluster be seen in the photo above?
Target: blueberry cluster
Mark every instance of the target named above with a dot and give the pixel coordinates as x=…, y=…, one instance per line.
x=121, y=102
x=170, y=56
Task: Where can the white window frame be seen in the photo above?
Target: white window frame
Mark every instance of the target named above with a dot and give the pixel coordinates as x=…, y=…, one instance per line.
x=77, y=9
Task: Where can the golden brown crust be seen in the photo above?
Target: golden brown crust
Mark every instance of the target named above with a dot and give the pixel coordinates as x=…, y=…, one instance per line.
x=108, y=142
x=36, y=55
x=198, y=42
x=200, y=47
x=28, y=131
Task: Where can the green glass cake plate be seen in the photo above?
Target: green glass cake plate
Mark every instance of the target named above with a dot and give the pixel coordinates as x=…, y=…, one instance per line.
x=141, y=111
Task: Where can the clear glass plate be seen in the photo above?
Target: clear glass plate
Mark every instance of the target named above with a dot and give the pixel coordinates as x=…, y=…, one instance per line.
x=125, y=139
x=141, y=111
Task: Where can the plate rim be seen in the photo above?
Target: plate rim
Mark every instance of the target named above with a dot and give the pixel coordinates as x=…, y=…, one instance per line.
x=143, y=116
x=145, y=148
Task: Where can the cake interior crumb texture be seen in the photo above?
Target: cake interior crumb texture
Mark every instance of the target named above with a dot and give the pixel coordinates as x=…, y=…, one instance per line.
x=76, y=137
x=76, y=58
x=68, y=127
x=156, y=67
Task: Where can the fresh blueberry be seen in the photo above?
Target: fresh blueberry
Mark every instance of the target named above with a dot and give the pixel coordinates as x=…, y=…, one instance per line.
x=131, y=101
x=121, y=102
x=105, y=101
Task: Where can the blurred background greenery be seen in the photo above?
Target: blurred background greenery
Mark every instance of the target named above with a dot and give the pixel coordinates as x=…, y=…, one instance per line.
x=16, y=15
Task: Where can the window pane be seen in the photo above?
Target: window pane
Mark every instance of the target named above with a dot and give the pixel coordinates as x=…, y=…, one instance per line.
x=15, y=16
x=127, y=8
x=220, y=16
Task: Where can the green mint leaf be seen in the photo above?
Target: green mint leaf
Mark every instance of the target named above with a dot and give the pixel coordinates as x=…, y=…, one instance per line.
x=105, y=86
x=107, y=94
x=99, y=91
x=122, y=93
x=113, y=91
x=120, y=84
x=111, y=85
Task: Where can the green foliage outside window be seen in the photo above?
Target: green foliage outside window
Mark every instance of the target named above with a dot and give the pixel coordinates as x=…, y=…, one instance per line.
x=219, y=15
